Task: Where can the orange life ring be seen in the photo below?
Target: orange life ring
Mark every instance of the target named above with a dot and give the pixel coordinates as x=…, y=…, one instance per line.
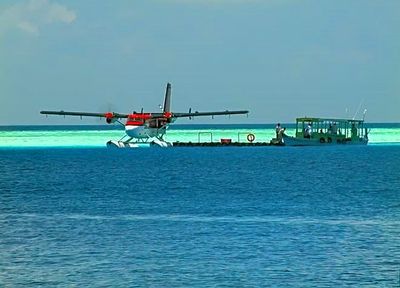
x=251, y=137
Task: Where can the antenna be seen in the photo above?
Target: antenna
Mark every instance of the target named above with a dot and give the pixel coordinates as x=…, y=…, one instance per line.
x=365, y=112
x=358, y=109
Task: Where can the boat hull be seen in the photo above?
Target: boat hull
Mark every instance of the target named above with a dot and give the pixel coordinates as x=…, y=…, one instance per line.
x=293, y=141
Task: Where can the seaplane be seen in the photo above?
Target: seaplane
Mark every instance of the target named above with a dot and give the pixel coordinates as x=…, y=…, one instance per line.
x=144, y=129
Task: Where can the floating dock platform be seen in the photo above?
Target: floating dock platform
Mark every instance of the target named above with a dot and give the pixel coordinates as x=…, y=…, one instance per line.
x=220, y=144
x=224, y=142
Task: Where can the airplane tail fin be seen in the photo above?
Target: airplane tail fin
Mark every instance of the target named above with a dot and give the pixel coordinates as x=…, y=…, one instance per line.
x=167, y=99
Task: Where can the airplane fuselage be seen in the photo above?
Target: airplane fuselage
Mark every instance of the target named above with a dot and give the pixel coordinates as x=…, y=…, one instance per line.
x=143, y=131
x=144, y=125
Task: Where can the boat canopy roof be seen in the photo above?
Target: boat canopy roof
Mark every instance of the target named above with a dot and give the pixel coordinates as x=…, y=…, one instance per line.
x=337, y=120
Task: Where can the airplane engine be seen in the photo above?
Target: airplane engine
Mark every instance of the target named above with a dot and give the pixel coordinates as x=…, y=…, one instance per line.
x=110, y=117
x=110, y=120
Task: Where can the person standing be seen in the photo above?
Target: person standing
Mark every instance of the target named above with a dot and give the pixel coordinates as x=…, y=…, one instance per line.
x=334, y=129
x=308, y=131
x=353, y=131
x=277, y=129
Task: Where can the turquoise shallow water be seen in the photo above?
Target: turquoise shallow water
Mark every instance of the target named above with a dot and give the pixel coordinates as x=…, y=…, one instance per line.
x=97, y=136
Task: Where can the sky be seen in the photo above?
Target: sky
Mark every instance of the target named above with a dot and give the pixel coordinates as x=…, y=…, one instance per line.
x=279, y=59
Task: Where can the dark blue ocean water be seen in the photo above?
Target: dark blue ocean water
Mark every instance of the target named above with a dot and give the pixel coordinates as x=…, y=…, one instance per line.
x=200, y=217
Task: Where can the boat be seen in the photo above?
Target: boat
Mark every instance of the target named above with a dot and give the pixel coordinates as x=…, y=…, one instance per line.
x=325, y=131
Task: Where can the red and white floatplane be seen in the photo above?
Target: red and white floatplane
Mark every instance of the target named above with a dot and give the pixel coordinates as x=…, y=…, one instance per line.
x=144, y=129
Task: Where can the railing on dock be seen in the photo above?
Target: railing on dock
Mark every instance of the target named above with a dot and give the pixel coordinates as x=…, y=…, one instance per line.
x=208, y=133
x=243, y=133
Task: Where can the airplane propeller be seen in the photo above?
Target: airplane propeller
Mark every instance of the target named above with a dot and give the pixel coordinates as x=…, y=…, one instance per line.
x=108, y=107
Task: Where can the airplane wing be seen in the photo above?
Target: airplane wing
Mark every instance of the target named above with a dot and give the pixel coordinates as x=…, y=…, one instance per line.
x=196, y=113
x=111, y=116
x=89, y=114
